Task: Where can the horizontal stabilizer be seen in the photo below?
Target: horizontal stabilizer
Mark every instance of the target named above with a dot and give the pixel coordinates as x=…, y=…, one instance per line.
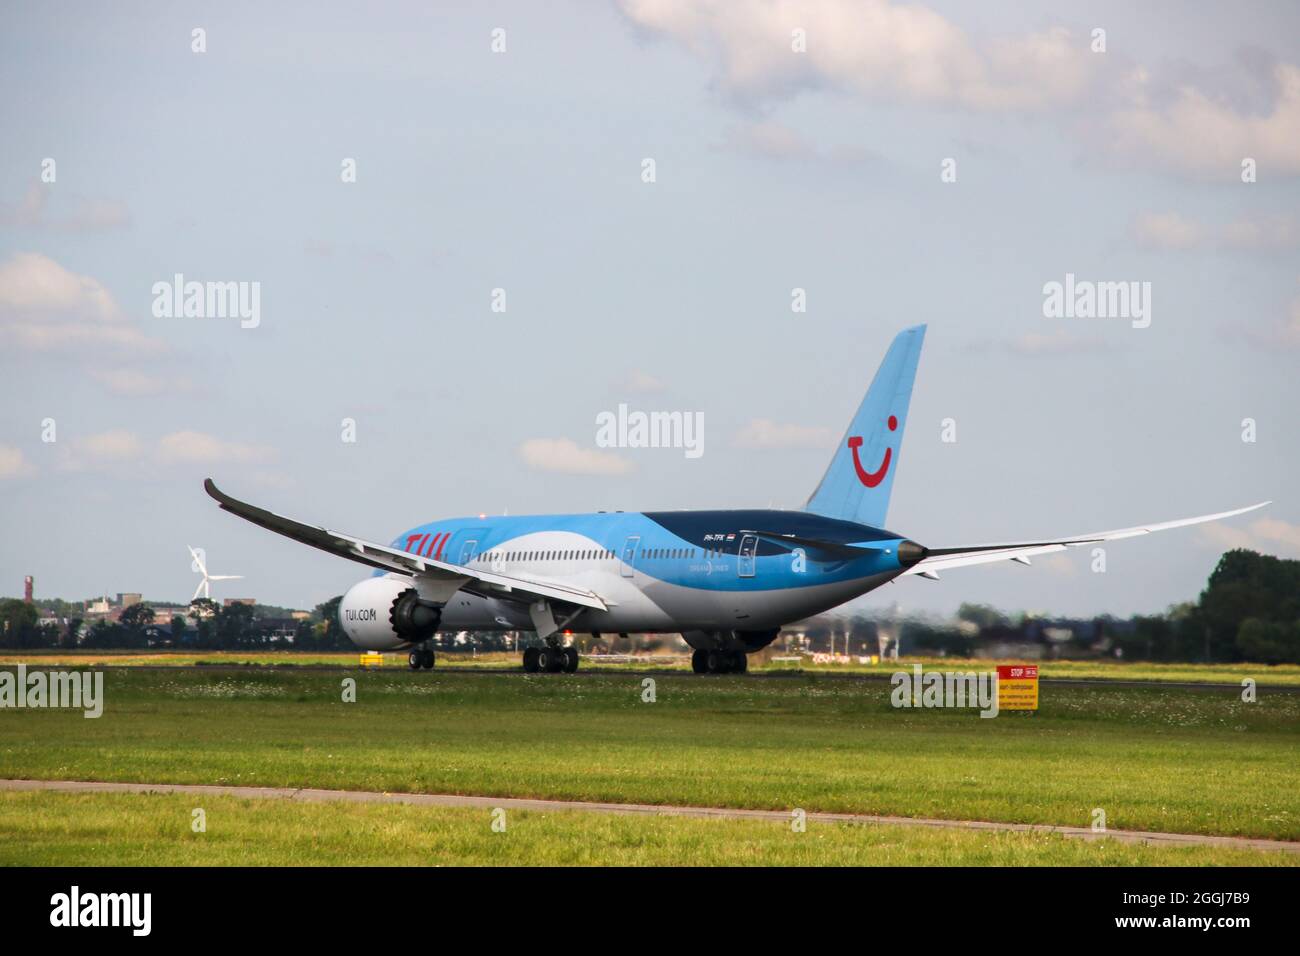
x=941, y=559
x=815, y=548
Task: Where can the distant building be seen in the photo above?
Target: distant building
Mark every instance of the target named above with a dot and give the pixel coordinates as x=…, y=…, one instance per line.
x=127, y=599
x=27, y=589
x=279, y=630
x=231, y=601
x=160, y=635
x=300, y=615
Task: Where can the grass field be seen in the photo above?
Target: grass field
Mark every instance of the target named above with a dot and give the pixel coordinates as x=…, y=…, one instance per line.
x=1153, y=758
x=57, y=829
x=1263, y=674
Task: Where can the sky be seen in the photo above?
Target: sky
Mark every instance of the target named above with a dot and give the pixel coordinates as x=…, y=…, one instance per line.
x=463, y=257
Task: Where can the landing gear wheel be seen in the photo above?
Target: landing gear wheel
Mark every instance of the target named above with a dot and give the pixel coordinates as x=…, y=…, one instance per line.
x=739, y=662
x=429, y=658
x=415, y=660
x=700, y=662
x=570, y=660
x=548, y=660
x=530, y=660
x=717, y=662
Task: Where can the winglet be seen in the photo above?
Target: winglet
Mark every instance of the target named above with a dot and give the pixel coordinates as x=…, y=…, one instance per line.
x=214, y=492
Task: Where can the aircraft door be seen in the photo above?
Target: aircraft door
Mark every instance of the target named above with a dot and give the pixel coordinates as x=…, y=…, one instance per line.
x=745, y=561
x=628, y=565
x=464, y=546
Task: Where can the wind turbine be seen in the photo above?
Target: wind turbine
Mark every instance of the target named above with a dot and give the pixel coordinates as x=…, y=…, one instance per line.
x=207, y=578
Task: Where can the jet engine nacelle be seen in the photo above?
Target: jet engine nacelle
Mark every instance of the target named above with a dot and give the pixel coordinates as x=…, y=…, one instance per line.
x=383, y=614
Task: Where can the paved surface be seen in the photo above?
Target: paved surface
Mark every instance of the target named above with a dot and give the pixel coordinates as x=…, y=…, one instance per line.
x=517, y=803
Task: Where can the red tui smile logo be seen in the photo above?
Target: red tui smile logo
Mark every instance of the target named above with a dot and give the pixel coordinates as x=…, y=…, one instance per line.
x=872, y=478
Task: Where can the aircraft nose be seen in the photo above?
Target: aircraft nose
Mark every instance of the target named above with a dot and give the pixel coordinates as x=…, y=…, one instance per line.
x=909, y=552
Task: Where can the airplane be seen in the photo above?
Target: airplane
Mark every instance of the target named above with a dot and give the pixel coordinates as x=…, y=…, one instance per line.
x=727, y=581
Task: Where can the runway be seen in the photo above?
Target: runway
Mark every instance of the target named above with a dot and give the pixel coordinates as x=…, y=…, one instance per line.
x=519, y=803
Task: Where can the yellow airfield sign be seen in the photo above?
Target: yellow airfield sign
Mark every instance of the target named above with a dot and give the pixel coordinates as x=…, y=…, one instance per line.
x=1018, y=687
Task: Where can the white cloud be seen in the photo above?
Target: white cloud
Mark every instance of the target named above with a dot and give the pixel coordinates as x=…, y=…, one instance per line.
x=775, y=141
x=88, y=215
x=191, y=447
x=134, y=382
x=1167, y=230
x=27, y=211
x=1284, y=333
x=1171, y=230
x=639, y=381
x=45, y=307
x=111, y=446
x=1062, y=564
x=1267, y=535
x=118, y=449
x=769, y=139
x=766, y=434
x=33, y=282
x=108, y=449
x=1204, y=133
x=1267, y=232
x=907, y=53
x=566, y=456
x=871, y=48
x=1059, y=342
x=12, y=462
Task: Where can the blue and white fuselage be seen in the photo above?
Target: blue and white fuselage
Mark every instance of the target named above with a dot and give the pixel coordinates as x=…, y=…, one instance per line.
x=684, y=571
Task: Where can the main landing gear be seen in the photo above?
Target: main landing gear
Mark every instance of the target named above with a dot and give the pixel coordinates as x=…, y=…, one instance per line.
x=551, y=660
x=421, y=658
x=719, y=662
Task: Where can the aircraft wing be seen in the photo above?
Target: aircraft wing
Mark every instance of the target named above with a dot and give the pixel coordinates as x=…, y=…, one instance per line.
x=480, y=581
x=941, y=559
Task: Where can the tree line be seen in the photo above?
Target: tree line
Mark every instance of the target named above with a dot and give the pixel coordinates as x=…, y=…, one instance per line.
x=205, y=625
x=1249, y=610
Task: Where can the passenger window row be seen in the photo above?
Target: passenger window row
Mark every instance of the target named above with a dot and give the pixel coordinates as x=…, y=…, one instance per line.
x=593, y=555
x=598, y=554
x=670, y=553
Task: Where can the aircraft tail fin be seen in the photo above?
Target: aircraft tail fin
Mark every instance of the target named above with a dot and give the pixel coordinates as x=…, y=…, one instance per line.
x=857, y=484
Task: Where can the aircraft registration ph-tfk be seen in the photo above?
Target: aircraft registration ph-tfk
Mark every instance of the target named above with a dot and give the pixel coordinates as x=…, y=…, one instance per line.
x=725, y=580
